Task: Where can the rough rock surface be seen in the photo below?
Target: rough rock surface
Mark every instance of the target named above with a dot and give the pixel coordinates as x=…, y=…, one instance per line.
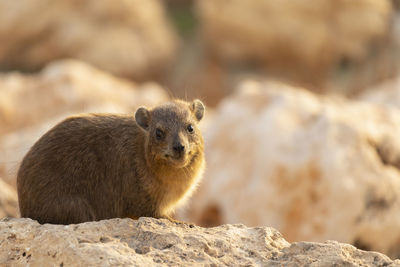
x=8, y=200
x=127, y=37
x=152, y=242
x=31, y=104
x=315, y=168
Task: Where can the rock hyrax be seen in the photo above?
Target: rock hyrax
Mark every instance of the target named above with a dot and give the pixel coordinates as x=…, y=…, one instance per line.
x=99, y=166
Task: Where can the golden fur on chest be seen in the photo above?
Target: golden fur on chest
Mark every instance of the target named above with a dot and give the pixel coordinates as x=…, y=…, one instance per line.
x=171, y=188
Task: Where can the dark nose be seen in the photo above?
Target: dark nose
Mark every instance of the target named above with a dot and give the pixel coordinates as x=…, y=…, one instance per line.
x=179, y=148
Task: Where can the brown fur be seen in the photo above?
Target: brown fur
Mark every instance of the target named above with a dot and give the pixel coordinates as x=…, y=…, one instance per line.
x=96, y=166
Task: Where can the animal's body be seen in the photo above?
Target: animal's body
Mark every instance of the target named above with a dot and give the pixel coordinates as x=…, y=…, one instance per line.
x=100, y=166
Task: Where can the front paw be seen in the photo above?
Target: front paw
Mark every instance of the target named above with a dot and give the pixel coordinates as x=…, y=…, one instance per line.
x=177, y=222
x=191, y=225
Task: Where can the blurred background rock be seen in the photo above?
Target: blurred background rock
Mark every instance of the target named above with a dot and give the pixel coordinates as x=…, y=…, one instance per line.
x=130, y=38
x=303, y=100
x=328, y=46
x=203, y=48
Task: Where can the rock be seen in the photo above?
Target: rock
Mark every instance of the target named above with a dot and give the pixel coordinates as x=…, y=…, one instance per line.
x=8, y=201
x=152, y=242
x=314, y=167
x=324, y=44
x=293, y=30
x=126, y=37
x=31, y=104
x=386, y=94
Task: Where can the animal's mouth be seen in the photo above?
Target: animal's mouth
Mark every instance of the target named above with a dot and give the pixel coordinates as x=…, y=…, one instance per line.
x=177, y=161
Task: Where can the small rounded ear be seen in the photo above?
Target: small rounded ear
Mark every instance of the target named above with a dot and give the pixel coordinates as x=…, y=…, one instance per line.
x=198, y=109
x=142, y=117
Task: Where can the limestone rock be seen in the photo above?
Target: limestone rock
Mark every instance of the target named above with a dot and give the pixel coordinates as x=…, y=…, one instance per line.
x=8, y=200
x=126, y=37
x=152, y=242
x=300, y=40
x=295, y=30
x=31, y=104
x=386, y=94
x=314, y=167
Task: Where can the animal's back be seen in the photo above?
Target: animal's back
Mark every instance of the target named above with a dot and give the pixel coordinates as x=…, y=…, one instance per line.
x=75, y=172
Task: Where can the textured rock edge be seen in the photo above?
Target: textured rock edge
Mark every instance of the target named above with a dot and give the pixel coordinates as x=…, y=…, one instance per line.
x=160, y=242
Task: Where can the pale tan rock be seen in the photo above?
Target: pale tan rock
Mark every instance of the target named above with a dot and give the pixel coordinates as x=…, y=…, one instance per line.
x=305, y=41
x=127, y=37
x=310, y=32
x=152, y=242
x=31, y=104
x=8, y=201
x=315, y=168
x=386, y=94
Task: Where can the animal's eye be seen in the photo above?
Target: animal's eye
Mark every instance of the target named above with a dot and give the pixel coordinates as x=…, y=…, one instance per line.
x=159, y=134
x=190, y=128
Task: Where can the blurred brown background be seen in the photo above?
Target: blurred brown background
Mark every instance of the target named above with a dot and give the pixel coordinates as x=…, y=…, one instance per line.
x=303, y=100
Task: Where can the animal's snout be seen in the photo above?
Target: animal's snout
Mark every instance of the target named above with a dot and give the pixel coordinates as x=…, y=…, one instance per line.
x=179, y=148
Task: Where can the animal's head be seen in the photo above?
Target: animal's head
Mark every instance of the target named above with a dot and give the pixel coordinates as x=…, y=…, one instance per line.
x=173, y=136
